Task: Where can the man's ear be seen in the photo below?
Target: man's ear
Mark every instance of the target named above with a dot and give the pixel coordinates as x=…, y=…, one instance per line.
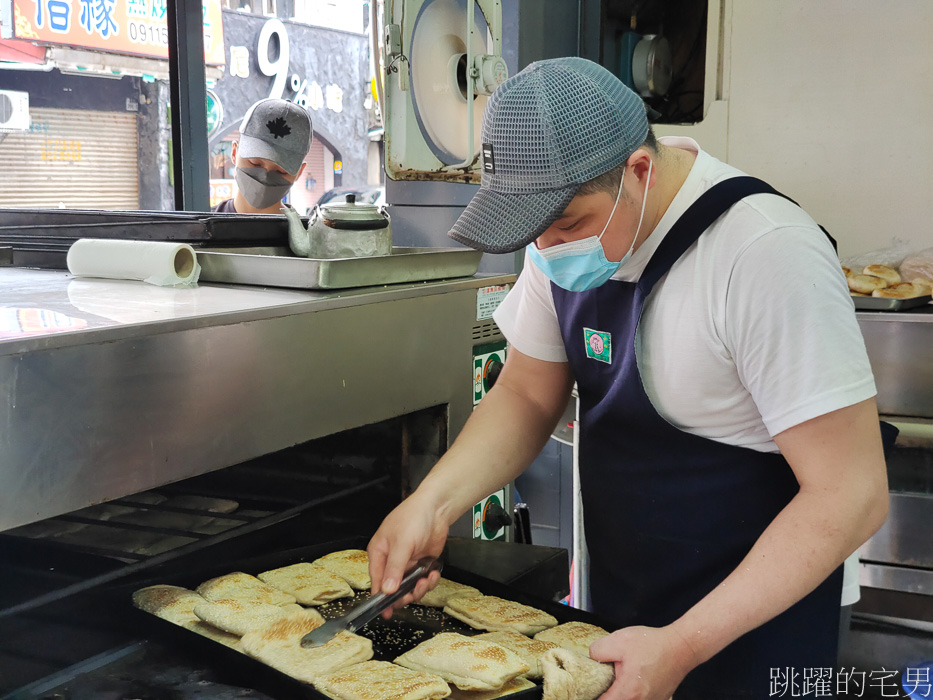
x=639, y=161
x=300, y=170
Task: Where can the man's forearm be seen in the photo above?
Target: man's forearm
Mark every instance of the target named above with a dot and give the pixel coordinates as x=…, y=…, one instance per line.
x=801, y=547
x=500, y=439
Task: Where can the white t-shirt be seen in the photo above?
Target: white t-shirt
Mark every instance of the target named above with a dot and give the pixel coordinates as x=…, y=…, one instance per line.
x=751, y=332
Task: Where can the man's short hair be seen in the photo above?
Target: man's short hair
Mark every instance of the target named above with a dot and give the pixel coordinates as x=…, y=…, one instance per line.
x=610, y=180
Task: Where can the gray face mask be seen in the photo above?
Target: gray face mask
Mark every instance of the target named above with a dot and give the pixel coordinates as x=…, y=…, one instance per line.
x=260, y=187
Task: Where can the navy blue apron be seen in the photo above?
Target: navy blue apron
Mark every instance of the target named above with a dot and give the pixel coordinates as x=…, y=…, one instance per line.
x=668, y=515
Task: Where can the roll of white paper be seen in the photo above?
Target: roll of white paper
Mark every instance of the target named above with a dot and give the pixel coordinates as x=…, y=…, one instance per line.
x=164, y=264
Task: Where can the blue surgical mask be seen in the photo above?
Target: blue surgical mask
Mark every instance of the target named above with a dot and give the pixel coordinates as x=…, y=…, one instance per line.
x=581, y=265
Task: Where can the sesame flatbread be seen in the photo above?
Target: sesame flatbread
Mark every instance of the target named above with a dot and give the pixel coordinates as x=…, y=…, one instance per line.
x=468, y=663
x=352, y=565
x=381, y=680
x=205, y=629
x=569, y=676
x=575, y=636
x=279, y=646
x=240, y=617
x=172, y=603
x=531, y=650
x=447, y=590
x=497, y=614
x=240, y=586
x=308, y=583
x=513, y=686
x=176, y=605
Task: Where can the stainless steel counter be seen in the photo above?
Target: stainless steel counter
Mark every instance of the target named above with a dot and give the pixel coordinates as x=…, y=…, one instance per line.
x=900, y=348
x=114, y=387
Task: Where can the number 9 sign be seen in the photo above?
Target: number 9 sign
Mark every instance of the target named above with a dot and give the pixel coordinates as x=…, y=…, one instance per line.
x=278, y=67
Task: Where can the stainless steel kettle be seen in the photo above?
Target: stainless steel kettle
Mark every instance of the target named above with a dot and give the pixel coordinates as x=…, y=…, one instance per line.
x=341, y=230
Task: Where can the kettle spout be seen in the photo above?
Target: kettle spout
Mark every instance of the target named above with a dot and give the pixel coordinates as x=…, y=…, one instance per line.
x=299, y=238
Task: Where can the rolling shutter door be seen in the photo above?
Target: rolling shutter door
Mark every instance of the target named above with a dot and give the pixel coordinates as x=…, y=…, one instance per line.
x=301, y=196
x=79, y=158
x=315, y=168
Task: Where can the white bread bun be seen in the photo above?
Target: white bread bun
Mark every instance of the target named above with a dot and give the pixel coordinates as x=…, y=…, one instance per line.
x=866, y=284
x=847, y=271
x=905, y=290
x=888, y=274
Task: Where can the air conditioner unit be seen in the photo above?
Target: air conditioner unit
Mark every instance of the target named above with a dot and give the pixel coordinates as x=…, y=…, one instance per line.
x=14, y=111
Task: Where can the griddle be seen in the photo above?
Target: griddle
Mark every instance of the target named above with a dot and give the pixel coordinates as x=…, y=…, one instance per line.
x=407, y=628
x=41, y=238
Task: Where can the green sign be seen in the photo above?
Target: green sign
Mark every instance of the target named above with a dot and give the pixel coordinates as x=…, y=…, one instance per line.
x=215, y=113
x=598, y=345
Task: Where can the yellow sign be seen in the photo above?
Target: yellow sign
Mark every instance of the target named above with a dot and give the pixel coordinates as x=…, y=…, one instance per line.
x=136, y=27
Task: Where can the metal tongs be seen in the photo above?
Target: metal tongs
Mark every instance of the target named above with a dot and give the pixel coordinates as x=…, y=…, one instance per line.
x=357, y=618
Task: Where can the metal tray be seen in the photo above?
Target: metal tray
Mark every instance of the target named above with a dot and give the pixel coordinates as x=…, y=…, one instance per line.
x=882, y=304
x=406, y=629
x=276, y=267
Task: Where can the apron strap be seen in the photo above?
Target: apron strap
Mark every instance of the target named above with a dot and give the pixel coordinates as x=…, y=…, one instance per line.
x=712, y=204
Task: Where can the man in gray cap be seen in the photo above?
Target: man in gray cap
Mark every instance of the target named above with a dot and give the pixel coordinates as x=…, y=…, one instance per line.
x=730, y=454
x=275, y=137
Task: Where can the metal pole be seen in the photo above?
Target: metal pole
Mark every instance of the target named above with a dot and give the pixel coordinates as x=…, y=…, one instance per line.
x=189, y=108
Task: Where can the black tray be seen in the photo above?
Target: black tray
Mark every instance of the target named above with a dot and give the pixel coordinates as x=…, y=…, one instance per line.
x=258, y=676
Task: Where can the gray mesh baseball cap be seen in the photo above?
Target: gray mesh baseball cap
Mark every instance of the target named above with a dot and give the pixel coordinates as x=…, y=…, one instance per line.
x=277, y=130
x=547, y=130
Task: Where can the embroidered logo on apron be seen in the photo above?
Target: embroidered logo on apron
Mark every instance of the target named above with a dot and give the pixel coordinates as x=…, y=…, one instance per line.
x=598, y=345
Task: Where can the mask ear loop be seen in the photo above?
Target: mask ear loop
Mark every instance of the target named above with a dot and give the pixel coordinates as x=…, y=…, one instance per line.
x=641, y=216
x=612, y=213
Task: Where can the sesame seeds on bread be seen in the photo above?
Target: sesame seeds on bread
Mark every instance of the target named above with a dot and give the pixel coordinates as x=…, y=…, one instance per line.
x=468, y=663
x=352, y=565
x=531, y=650
x=240, y=617
x=575, y=636
x=279, y=646
x=497, y=614
x=381, y=680
x=308, y=583
x=448, y=590
x=240, y=586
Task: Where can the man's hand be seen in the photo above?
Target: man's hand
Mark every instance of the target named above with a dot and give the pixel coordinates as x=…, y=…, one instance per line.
x=650, y=662
x=505, y=432
x=413, y=530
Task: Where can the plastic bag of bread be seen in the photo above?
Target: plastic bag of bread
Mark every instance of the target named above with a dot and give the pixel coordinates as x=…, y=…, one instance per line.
x=892, y=257
x=917, y=268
